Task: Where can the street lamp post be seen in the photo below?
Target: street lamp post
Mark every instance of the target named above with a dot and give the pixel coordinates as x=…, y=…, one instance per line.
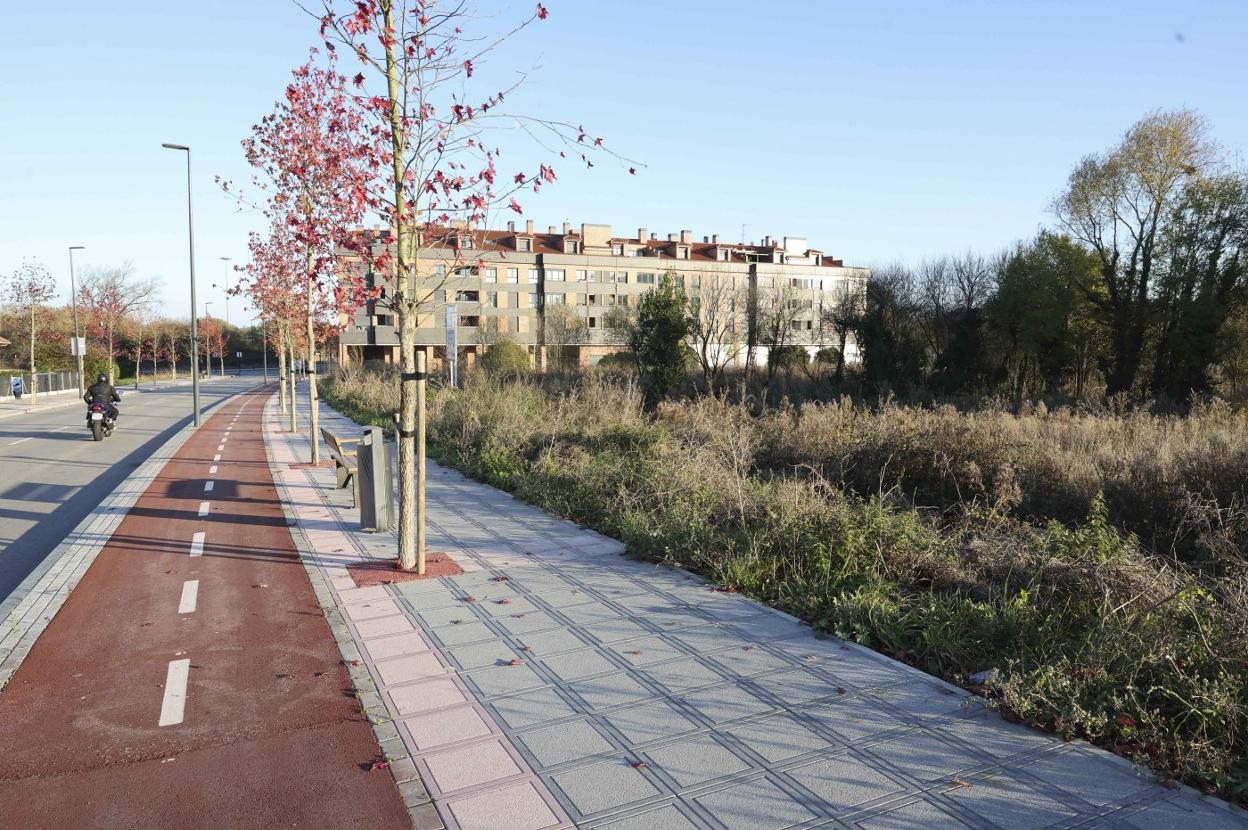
x=190, y=231
x=225, y=286
x=73, y=297
x=208, y=341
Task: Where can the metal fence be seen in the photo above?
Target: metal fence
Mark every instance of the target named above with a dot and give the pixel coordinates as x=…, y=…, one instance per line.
x=49, y=383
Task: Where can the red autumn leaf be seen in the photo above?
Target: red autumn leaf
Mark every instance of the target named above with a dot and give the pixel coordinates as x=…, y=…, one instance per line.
x=541, y=12
x=514, y=205
x=468, y=68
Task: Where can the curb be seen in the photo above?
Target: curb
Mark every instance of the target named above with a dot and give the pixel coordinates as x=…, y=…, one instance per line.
x=42, y=593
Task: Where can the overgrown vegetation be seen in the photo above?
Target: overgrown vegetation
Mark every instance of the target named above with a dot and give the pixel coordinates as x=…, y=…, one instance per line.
x=959, y=543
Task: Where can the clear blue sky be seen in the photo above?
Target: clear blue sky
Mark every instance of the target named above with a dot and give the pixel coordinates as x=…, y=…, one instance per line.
x=878, y=130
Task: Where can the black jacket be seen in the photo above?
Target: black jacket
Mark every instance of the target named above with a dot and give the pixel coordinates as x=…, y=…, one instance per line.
x=101, y=392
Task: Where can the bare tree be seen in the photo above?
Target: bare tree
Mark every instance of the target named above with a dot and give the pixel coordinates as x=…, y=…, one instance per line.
x=564, y=328
x=774, y=306
x=843, y=316
x=717, y=318
x=111, y=296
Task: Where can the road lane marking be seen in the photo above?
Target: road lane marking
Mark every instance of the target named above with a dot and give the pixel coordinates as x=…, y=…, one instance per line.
x=203, y=508
x=220, y=447
x=61, y=429
x=173, y=707
x=212, y=471
x=208, y=486
x=20, y=440
x=197, y=544
x=190, y=595
x=217, y=457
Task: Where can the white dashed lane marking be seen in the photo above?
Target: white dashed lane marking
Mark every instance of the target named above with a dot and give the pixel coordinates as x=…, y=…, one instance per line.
x=20, y=440
x=203, y=508
x=208, y=486
x=217, y=457
x=190, y=595
x=212, y=471
x=173, y=707
x=197, y=544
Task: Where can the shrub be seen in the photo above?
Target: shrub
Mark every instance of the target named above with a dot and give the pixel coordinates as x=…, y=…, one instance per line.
x=505, y=357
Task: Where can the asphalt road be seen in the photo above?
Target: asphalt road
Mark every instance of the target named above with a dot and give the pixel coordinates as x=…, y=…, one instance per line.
x=52, y=474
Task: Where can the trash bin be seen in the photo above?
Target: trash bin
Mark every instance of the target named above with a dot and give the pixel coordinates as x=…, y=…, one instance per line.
x=16, y=385
x=376, y=479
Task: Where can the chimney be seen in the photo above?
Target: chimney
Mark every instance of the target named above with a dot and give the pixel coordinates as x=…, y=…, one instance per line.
x=550, y=229
x=705, y=239
x=671, y=237
x=567, y=228
x=686, y=236
x=715, y=238
x=641, y=235
x=766, y=241
x=528, y=226
x=511, y=227
x=653, y=235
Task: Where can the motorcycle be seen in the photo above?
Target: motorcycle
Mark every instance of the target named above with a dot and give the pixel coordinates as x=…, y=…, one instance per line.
x=99, y=421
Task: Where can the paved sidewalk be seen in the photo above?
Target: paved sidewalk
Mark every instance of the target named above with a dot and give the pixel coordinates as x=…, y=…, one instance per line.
x=559, y=684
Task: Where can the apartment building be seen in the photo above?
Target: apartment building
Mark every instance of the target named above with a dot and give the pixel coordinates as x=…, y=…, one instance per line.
x=557, y=292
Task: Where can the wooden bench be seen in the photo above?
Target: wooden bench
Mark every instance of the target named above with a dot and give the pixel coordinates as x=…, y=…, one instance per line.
x=343, y=451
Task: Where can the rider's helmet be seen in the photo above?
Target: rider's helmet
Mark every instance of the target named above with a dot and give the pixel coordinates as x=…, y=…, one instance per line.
x=103, y=378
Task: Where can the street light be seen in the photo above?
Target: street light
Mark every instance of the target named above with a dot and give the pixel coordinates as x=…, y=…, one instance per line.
x=190, y=232
x=73, y=297
x=208, y=341
x=225, y=279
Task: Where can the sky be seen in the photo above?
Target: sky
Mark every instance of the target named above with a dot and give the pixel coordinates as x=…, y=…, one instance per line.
x=879, y=131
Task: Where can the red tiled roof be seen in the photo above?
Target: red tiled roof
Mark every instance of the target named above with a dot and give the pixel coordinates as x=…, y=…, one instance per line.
x=552, y=243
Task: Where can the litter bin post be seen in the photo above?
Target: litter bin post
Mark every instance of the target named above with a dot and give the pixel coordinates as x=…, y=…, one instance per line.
x=376, y=482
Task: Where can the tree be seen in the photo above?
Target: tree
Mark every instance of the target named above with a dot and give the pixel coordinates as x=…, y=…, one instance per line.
x=441, y=176
x=774, y=307
x=505, y=357
x=1118, y=203
x=716, y=319
x=656, y=339
x=110, y=296
x=842, y=316
x=889, y=332
x=30, y=287
x=1204, y=283
x=562, y=329
x=271, y=280
x=313, y=159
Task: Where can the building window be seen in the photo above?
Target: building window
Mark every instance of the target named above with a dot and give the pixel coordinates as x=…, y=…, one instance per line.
x=556, y=299
x=621, y=277
x=465, y=242
x=570, y=246
x=695, y=281
x=796, y=325
x=492, y=298
x=592, y=299
x=513, y=325
x=532, y=276
x=466, y=271
x=513, y=275
x=644, y=278
x=623, y=299
x=467, y=296
x=593, y=322
x=472, y=320
x=556, y=274
x=535, y=300
x=682, y=252
x=581, y=275
x=809, y=324
x=524, y=244
x=490, y=274
x=617, y=250
x=439, y=270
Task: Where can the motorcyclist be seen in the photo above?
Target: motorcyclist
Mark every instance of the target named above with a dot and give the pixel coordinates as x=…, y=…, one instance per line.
x=103, y=392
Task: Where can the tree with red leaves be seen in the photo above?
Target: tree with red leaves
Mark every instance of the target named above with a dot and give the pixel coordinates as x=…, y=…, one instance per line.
x=30, y=287
x=438, y=170
x=110, y=296
x=312, y=160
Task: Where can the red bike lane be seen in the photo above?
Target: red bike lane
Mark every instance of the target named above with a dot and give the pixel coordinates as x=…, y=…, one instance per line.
x=191, y=680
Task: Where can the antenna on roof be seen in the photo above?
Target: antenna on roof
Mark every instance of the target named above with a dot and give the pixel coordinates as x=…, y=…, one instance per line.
x=743, y=227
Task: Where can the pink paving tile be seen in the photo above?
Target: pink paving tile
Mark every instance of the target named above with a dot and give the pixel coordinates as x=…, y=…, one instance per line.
x=513, y=808
x=358, y=595
x=470, y=766
x=382, y=626
x=409, y=668
x=387, y=647
x=371, y=610
x=446, y=727
x=427, y=696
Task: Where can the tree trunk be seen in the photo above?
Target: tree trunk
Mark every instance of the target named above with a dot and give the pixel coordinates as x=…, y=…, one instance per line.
x=294, y=415
x=281, y=370
x=314, y=436
x=34, y=378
